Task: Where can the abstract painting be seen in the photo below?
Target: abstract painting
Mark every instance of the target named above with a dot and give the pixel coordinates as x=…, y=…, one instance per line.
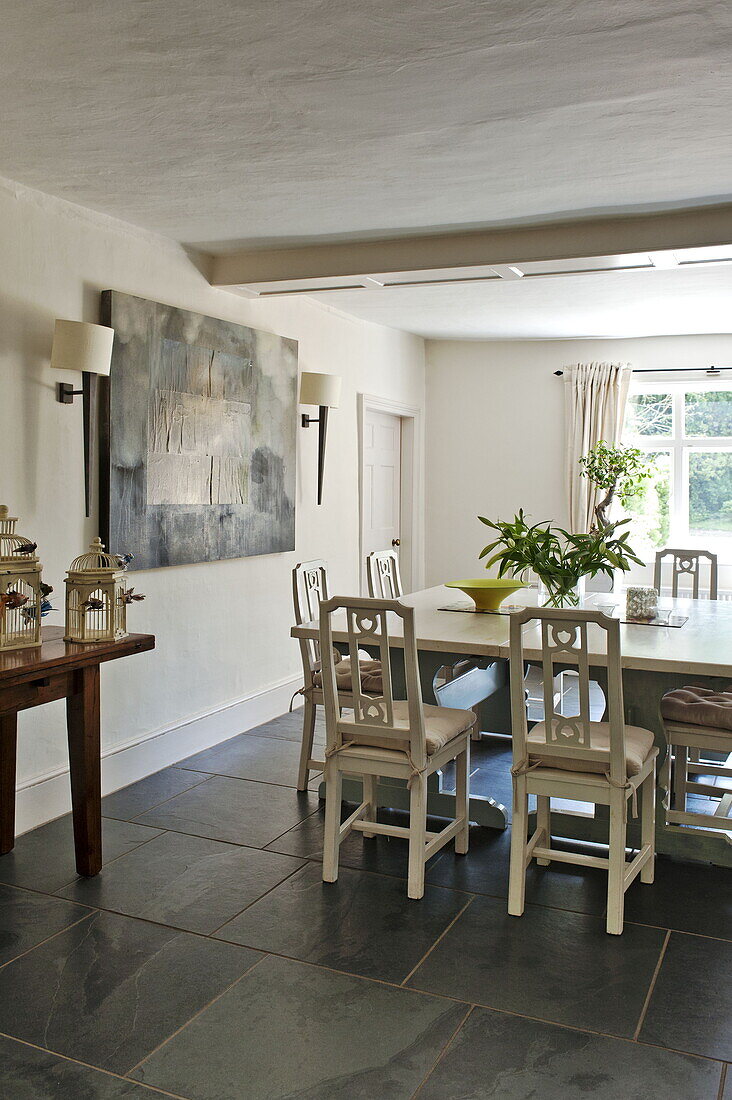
x=198, y=437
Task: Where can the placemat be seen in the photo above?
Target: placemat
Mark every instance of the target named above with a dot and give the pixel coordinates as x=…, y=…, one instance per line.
x=470, y=609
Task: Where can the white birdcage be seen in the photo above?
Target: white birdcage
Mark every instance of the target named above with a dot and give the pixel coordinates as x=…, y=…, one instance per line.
x=20, y=588
x=96, y=597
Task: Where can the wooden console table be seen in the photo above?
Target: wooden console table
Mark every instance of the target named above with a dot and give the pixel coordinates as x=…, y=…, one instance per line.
x=61, y=670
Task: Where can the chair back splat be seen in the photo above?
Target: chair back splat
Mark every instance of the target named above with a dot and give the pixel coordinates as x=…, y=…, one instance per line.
x=686, y=563
x=309, y=589
x=563, y=637
x=382, y=574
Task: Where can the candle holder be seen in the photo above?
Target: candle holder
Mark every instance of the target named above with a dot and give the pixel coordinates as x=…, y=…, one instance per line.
x=641, y=603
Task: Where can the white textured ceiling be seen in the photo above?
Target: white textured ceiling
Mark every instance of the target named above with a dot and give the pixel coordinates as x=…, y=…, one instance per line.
x=268, y=120
x=614, y=303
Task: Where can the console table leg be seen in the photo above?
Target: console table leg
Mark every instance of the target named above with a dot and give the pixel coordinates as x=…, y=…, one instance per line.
x=8, y=753
x=82, y=715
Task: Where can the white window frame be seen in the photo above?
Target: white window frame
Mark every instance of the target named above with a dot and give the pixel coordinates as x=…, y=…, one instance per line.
x=680, y=446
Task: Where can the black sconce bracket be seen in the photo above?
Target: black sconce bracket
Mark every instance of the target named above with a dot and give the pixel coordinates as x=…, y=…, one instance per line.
x=65, y=393
x=322, y=422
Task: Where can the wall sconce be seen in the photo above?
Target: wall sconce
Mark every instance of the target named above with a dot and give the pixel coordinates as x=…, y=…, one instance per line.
x=87, y=348
x=323, y=390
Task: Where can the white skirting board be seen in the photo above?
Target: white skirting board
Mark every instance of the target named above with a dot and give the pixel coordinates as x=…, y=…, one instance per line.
x=46, y=797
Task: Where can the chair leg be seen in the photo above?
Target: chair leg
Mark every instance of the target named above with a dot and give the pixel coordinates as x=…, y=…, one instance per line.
x=517, y=871
x=417, y=836
x=370, y=784
x=543, y=821
x=462, y=799
x=475, y=731
x=616, y=873
x=680, y=777
x=331, y=839
x=648, y=825
x=306, y=748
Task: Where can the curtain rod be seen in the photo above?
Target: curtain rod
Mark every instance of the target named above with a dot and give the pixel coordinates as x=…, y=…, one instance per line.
x=670, y=370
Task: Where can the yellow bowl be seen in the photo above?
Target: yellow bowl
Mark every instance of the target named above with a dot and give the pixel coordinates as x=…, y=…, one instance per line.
x=487, y=593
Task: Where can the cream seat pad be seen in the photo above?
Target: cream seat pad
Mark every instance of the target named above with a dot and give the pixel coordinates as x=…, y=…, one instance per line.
x=441, y=725
x=638, y=744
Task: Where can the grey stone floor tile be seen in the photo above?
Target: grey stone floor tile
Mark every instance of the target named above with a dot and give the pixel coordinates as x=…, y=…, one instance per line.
x=685, y=896
x=184, y=881
x=549, y=963
x=27, y=918
x=110, y=989
x=511, y=1058
x=484, y=870
x=289, y=1030
x=27, y=1073
x=262, y=759
x=364, y=924
x=234, y=810
x=44, y=858
x=691, y=1005
x=129, y=802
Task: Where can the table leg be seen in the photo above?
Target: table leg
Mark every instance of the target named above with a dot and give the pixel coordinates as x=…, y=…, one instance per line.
x=82, y=716
x=8, y=753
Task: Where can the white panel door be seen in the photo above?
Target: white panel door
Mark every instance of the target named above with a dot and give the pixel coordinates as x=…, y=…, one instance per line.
x=382, y=458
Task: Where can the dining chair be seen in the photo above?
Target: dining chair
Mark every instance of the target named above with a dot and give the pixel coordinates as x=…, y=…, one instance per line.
x=309, y=589
x=382, y=574
x=570, y=756
x=686, y=563
x=404, y=739
x=684, y=752
x=696, y=719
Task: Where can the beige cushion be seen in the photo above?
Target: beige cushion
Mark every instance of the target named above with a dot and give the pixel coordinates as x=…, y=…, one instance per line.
x=441, y=724
x=698, y=706
x=370, y=676
x=638, y=744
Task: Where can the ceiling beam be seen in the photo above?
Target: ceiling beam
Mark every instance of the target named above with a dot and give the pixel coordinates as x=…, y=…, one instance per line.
x=690, y=228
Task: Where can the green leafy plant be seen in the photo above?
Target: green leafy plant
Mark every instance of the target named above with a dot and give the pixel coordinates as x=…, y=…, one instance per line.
x=558, y=558
x=619, y=471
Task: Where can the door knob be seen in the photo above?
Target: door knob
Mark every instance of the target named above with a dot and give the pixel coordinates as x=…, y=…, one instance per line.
x=396, y=542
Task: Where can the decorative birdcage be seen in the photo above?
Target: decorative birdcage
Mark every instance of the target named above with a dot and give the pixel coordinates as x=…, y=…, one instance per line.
x=21, y=594
x=96, y=597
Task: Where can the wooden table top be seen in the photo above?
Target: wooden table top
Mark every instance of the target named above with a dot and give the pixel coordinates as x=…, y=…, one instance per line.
x=702, y=646
x=54, y=654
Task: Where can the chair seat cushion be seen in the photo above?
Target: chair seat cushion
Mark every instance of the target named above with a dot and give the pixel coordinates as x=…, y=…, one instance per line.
x=638, y=745
x=441, y=725
x=370, y=675
x=698, y=706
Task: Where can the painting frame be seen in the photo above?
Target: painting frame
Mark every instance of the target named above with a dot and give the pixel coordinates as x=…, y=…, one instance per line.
x=197, y=436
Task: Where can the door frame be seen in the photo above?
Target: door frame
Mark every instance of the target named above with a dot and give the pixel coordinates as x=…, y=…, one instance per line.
x=410, y=519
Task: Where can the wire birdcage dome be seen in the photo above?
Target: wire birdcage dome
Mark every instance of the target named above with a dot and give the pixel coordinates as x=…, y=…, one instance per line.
x=21, y=595
x=95, y=560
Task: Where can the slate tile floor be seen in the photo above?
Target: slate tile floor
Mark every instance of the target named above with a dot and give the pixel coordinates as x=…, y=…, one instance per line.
x=209, y=962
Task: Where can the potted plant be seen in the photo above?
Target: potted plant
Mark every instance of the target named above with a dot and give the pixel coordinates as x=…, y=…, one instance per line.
x=560, y=559
x=620, y=472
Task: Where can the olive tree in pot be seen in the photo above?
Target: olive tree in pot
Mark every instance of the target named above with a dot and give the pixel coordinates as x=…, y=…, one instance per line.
x=619, y=472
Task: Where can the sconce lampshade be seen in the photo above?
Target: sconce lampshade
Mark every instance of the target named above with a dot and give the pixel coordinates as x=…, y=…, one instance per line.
x=81, y=346
x=320, y=389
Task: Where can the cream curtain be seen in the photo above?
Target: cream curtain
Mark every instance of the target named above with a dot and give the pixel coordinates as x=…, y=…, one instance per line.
x=595, y=396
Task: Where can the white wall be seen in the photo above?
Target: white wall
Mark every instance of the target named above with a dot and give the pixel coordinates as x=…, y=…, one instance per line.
x=222, y=628
x=495, y=431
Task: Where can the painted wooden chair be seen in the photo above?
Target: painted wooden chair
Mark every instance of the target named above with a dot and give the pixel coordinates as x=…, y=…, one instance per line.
x=309, y=589
x=686, y=741
x=695, y=720
x=573, y=757
x=382, y=574
x=405, y=739
x=686, y=563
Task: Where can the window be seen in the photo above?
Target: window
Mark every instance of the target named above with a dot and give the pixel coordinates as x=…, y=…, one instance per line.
x=687, y=429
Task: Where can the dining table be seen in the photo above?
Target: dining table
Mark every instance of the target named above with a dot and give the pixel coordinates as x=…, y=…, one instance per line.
x=693, y=647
